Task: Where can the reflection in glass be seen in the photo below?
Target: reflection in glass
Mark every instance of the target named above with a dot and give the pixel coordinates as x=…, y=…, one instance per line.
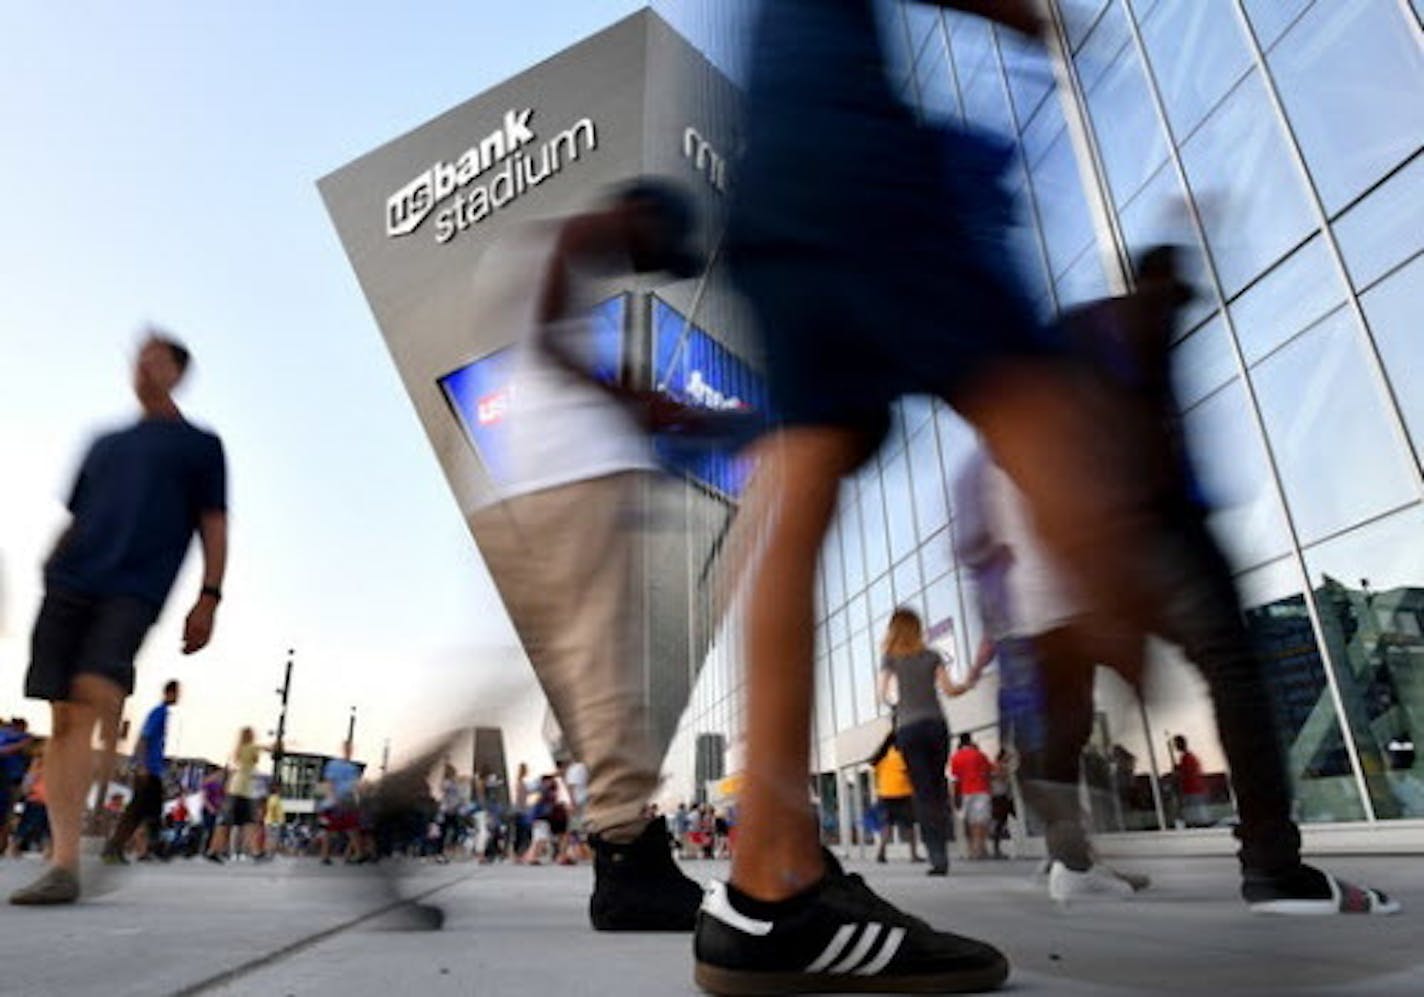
x=1130, y=137
x=938, y=100
x=1369, y=591
x=1337, y=454
x=1251, y=196
x=1296, y=293
x=1062, y=209
x=1392, y=310
x=1270, y=18
x=1341, y=71
x=1109, y=36
x=1029, y=72
x=1085, y=280
x=1160, y=215
x=872, y=524
x=1230, y=462
x=1197, y=55
x=931, y=503
x=1305, y=716
x=1387, y=227
x=1078, y=18
x=1203, y=362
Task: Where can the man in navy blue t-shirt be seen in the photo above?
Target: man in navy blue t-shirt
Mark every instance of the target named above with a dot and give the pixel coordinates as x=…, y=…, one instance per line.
x=141, y=494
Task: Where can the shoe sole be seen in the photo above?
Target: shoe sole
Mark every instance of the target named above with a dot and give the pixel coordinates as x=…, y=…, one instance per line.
x=741, y=983
x=1319, y=908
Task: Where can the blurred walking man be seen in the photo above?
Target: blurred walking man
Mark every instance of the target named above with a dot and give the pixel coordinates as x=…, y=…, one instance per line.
x=563, y=539
x=141, y=494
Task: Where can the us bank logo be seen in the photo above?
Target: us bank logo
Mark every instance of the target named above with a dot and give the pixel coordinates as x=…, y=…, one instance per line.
x=507, y=163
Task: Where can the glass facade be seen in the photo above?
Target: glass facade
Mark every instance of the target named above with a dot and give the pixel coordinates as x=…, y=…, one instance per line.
x=1281, y=142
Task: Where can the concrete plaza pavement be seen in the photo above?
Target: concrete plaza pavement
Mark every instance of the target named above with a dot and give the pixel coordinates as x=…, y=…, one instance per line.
x=297, y=928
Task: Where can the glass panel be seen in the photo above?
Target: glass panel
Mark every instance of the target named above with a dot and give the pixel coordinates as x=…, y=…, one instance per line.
x=921, y=20
x=986, y=102
x=865, y=665
x=1369, y=589
x=1341, y=71
x=1045, y=126
x=957, y=440
x=906, y=577
x=1285, y=301
x=1130, y=136
x=1386, y=228
x=1392, y=309
x=872, y=523
x=899, y=508
x=1230, y=460
x=931, y=504
x=1197, y=54
x=1161, y=215
x=832, y=570
x=825, y=703
x=1028, y=70
x=1119, y=746
x=1110, y=36
x=1078, y=18
x=1062, y=209
x=917, y=410
x=972, y=46
x=937, y=556
x=1085, y=280
x=1269, y=18
x=1304, y=711
x=937, y=97
x=853, y=552
x=1203, y=362
x=882, y=601
x=1335, y=450
x=1254, y=206
x=843, y=679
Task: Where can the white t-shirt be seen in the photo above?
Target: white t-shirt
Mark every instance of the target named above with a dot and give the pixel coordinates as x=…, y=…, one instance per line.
x=1024, y=590
x=576, y=778
x=562, y=429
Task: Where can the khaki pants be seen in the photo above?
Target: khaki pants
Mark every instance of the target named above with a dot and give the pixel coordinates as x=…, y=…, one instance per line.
x=567, y=562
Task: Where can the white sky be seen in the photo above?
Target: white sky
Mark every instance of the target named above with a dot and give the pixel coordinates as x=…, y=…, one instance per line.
x=160, y=164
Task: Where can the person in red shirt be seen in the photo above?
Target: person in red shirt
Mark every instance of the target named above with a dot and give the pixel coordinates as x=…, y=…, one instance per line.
x=972, y=770
x=1191, y=784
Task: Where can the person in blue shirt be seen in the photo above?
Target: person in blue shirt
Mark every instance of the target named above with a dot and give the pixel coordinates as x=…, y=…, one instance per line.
x=150, y=765
x=141, y=494
x=15, y=741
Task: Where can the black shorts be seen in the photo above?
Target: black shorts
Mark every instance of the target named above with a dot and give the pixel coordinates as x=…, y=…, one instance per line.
x=238, y=812
x=899, y=811
x=147, y=802
x=85, y=635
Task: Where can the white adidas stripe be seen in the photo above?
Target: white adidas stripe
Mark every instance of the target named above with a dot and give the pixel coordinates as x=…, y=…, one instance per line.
x=888, y=948
x=859, y=960
x=834, y=948
x=861, y=950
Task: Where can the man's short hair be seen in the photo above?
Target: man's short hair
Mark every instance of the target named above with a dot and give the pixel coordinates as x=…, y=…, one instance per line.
x=170, y=687
x=181, y=355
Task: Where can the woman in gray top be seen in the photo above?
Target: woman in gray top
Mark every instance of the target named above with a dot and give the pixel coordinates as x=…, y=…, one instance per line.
x=922, y=733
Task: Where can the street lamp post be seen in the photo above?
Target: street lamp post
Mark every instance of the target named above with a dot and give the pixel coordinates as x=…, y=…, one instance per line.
x=351, y=730
x=279, y=747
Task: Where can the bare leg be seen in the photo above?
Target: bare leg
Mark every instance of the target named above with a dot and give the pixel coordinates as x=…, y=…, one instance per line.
x=779, y=854
x=69, y=761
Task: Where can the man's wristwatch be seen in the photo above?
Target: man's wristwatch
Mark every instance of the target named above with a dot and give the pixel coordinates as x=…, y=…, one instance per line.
x=213, y=592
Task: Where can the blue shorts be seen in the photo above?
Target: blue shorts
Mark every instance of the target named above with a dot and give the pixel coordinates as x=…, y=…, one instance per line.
x=874, y=251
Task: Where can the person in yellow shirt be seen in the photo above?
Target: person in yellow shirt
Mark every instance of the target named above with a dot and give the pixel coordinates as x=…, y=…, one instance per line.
x=274, y=817
x=894, y=796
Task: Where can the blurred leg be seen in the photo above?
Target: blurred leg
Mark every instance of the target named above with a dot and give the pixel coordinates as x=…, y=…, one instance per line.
x=778, y=854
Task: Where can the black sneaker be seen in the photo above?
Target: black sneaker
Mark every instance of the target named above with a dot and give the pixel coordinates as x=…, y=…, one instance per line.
x=838, y=937
x=639, y=887
x=1306, y=891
